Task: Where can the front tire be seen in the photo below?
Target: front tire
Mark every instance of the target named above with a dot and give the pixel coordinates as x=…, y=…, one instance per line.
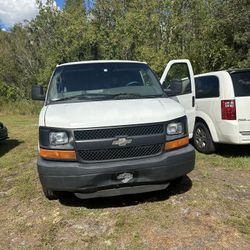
x=178, y=180
x=202, y=139
x=49, y=194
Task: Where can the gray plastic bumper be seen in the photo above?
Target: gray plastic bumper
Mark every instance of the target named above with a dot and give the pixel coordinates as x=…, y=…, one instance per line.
x=95, y=177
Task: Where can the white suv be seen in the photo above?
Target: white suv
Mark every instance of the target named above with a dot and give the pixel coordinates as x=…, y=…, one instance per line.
x=222, y=109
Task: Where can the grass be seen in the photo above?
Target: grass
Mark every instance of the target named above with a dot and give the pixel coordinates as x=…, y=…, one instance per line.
x=23, y=107
x=231, y=157
x=209, y=209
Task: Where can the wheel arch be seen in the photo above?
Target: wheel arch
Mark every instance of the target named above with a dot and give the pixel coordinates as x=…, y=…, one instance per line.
x=209, y=124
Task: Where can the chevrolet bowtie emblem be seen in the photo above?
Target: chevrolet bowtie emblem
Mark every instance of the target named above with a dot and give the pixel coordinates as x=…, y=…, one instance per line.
x=121, y=142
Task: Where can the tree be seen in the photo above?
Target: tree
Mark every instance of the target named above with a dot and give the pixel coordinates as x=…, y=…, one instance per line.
x=213, y=34
x=74, y=5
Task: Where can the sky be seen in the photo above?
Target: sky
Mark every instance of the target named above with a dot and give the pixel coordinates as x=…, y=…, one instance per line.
x=15, y=11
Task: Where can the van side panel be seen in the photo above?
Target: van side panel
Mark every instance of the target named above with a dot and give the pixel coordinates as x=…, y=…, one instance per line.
x=241, y=84
x=233, y=131
x=243, y=115
x=226, y=86
x=209, y=109
x=228, y=132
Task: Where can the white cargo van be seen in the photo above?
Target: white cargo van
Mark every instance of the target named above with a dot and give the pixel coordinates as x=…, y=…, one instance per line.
x=108, y=128
x=222, y=109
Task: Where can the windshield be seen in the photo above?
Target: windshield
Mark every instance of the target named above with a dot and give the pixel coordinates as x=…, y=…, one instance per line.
x=241, y=83
x=98, y=81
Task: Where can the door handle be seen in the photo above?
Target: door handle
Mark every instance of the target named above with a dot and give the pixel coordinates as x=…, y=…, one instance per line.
x=193, y=101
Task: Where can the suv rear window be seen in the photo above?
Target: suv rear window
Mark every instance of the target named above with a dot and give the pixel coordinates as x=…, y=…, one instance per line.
x=241, y=83
x=207, y=87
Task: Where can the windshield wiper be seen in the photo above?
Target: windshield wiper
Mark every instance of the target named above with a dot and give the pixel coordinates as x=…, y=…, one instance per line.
x=155, y=96
x=101, y=96
x=82, y=96
x=134, y=95
x=70, y=98
x=126, y=95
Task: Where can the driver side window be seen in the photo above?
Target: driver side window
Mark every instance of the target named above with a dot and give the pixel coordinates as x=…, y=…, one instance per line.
x=178, y=80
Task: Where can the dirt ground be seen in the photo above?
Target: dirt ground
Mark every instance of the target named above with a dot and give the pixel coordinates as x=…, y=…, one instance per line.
x=208, y=209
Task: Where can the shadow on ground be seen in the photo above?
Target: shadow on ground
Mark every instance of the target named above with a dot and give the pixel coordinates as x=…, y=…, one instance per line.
x=8, y=145
x=233, y=150
x=177, y=187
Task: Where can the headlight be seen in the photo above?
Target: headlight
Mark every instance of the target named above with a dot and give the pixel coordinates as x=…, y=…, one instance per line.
x=175, y=128
x=58, y=138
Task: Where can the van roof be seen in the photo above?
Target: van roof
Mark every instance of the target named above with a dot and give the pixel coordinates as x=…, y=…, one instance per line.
x=230, y=71
x=238, y=70
x=99, y=61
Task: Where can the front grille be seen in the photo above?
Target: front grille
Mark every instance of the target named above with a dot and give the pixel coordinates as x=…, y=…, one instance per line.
x=120, y=153
x=93, y=134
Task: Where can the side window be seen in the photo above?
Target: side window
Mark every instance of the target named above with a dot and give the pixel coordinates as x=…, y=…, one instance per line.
x=241, y=83
x=207, y=87
x=178, y=80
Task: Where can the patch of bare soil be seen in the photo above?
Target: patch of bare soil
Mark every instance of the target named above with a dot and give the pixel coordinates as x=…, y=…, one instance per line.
x=208, y=210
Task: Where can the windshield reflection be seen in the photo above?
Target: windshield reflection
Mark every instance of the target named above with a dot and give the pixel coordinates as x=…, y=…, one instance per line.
x=103, y=81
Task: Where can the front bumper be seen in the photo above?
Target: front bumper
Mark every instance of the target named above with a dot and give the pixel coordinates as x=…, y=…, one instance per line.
x=93, y=177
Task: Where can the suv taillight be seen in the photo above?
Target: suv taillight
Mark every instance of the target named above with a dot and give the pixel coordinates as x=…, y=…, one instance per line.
x=228, y=110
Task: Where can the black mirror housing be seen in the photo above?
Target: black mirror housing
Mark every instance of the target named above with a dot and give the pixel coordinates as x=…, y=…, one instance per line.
x=169, y=92
x=37, y=93
x=174, y=88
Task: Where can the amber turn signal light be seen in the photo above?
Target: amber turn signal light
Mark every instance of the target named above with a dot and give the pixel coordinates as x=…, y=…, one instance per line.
x=176, y=143
x=58, y=154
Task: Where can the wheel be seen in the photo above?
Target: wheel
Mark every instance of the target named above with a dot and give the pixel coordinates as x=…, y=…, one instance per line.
x=177, y=180
x=49, y=194
x=202, y=139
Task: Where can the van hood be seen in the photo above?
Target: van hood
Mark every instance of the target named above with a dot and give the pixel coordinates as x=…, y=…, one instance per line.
x=110, y=113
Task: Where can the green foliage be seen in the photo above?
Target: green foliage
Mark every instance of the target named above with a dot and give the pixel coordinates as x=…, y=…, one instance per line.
x=21, y=107
x=7, y=92
x=213, y=34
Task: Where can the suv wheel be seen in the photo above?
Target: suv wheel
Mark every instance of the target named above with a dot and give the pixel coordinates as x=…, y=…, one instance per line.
x=49, y=194
x=202, y=139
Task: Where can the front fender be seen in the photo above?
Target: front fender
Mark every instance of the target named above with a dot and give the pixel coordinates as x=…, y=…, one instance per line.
x=208, y=121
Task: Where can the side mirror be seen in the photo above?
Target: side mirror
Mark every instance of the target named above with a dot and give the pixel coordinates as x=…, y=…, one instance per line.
x=174, y=88
x=169, y=92
x=37, y=93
